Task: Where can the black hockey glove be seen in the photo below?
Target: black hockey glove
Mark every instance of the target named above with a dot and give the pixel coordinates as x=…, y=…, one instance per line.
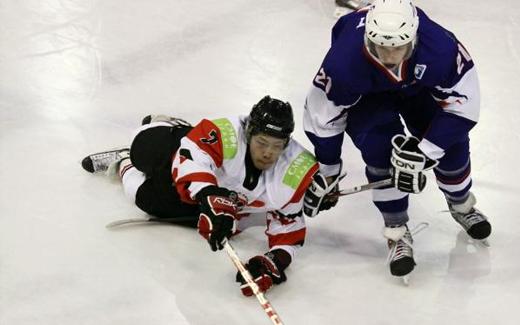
x=266, y=270
x=218, y=210
x=318, y=196
x=409, y=163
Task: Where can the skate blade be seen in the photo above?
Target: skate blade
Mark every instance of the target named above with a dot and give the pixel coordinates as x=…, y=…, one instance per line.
x=479, y=242
x=406, y=279
x=483, y=242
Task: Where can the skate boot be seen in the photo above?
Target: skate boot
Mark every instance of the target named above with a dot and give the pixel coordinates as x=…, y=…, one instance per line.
x=400, y=243
x=472, y=220
x=177, y=122
x=102, y=161
x=400, y=257
x=353, y=4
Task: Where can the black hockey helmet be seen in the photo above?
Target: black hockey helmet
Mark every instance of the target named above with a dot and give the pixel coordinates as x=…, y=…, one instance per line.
x=272, y=117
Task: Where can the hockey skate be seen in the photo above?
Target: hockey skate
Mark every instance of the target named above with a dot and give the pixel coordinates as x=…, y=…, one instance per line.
x=472, y=220
x=104, y=161
x=343, y=7
x=400, y=257
x=174, y=121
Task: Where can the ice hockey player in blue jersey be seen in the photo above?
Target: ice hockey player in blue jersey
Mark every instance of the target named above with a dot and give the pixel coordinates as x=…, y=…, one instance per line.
x=386, y=62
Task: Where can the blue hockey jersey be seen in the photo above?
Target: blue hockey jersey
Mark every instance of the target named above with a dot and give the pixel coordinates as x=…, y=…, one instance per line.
x=440, y=64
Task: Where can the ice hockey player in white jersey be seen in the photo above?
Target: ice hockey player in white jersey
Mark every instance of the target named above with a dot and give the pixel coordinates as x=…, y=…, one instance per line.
x=218, y=176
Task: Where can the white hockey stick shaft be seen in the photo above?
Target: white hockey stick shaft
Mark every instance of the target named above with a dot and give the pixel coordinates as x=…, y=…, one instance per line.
x=147, y=219
x=365, y=187
x=266, y=305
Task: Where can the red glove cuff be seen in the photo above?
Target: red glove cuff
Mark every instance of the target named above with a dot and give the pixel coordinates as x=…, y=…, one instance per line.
x=204, y=226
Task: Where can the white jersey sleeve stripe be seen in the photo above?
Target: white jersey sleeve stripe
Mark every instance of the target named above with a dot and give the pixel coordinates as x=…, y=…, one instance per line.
x=431, y=150
x=291, y=249
x=321, y=116
x=463, y=99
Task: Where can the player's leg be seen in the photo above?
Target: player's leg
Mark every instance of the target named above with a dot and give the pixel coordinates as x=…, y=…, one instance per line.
x=154, y=141
x=371, y=128
x=102, y=161
x=454, y=170
x=454, y=180
x=147, y=178
x=154, y=144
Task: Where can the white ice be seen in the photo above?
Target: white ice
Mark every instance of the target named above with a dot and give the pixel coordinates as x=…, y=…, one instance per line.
x=77, y=76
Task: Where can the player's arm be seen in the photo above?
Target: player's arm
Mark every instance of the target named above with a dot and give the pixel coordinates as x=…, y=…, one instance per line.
x=201, y=152
x=324, y=122
x=455, y=88
x=199, y=155
x=285, y=228
x=286, y=234
x=327, y=102
x=457, y=92
x=325, y=119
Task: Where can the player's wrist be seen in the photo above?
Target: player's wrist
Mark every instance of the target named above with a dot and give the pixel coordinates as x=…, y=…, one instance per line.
x=330, y=170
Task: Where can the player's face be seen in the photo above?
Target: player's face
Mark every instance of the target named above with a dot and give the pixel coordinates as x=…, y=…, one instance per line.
x=391, y=57
x=265, y=150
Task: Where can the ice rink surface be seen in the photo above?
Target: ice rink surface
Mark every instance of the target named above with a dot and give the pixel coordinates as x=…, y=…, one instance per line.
x=77, y=76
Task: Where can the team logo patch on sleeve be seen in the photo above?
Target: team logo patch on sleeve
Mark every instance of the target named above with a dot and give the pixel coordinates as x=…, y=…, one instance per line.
x=229, y=137
x=419, y=71
x=298, y=169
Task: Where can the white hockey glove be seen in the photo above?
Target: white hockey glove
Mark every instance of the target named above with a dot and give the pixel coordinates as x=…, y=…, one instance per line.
x=318, y=197
x=409, y=164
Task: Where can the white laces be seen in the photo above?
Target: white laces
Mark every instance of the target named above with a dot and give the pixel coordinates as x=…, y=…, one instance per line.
x=471, y=218
x=102, y=160
x=403, y=247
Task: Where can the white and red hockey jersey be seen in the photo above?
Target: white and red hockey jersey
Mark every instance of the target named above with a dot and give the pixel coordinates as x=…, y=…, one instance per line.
x=214, y=152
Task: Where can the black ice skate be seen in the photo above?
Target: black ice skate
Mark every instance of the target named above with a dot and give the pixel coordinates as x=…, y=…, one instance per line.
x=400, y=257
x=101, y=161
x=472, y=220
x=400, y=243
x=352, y=4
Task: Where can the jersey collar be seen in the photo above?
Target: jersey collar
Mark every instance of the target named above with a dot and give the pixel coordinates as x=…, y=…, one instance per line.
x=391, y=75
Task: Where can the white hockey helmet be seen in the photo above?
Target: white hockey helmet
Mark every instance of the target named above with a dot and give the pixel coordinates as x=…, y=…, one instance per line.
x=391, y=23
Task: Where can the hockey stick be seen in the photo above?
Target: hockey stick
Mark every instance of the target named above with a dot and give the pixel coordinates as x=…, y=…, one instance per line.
x=361, y=188
x=266, y=305
x=131, y=221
